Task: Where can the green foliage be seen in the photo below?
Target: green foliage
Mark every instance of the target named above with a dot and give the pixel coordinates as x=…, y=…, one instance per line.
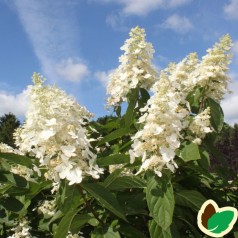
x=8, y=124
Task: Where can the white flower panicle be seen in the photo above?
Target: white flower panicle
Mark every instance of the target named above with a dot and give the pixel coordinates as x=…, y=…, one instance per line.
x=22, y=229
x=168, y=113
x=54, y=133
x=136, y=68
x=211, y=72
x=48, y=208
x=201, y=124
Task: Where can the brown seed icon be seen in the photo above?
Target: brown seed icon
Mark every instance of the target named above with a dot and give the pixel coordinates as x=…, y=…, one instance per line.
x=208, y=212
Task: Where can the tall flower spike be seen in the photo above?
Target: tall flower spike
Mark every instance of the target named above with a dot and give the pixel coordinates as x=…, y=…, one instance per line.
x=54, y=133
x=211, y=73
x=167, y=112
x=136, y=68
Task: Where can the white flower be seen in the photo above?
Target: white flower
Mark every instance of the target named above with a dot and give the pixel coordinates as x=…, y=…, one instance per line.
x=22, y=229
x=54, y=132
x=136, y=68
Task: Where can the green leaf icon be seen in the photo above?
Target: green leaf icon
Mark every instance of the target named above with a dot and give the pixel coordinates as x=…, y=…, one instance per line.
x=220, y=221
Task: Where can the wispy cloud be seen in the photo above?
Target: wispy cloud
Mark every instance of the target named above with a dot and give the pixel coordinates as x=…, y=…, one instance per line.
x=179, y=24
x=103, y=76
x=52, y=29
x=229, y=104
x=144, y=7
x=231, y=9
x=116, y=21
x=72, y=69
x=14, y=103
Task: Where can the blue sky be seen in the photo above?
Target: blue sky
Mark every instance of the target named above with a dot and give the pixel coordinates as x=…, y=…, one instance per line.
x=76, y=43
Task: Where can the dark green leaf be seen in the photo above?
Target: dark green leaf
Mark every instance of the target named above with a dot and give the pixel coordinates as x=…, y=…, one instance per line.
x=156, y=231
x=130, y=231
x=64, y=225
x=113, y=159
x=121, y=183
x=12, y=204
x=190, y=198
x=17, y=159
x=190, y=152
x=217, y=116
x=105, y=233
x=13, y=179
x=80, y=220
x=113, y=135
x=133, y=97
x=111, y=177
x=160, y=200
x=105, y=197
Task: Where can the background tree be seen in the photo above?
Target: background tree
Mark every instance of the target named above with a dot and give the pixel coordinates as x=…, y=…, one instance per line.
x=8, y=124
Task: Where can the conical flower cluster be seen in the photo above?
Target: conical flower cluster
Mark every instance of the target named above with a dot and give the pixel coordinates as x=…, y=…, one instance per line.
x=167, y=113
x=136, y=68
x=54, y=133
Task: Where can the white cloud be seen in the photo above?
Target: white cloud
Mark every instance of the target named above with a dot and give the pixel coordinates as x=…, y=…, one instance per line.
x=229, y=104
x=72, y=70
x=235, y=47
x=231, y=9
x=143, y=7
x=177, y=23
x=116, y=21
x=52, y=29
x=14, y=103
x=103, y=76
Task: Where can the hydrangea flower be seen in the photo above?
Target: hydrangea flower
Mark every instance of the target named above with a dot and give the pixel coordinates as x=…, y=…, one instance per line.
x=55, y=133
x=167, y=113
x=136, y=68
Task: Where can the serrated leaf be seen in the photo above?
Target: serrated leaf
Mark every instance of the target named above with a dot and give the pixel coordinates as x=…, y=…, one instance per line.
x=190, y=198
x=217, y=115
x=105, y=197
x=190, y=152
x=113, y=159
x=220, y=221
x=17, y=159
x=156, y=231
x=125, y=182
x=160, y=200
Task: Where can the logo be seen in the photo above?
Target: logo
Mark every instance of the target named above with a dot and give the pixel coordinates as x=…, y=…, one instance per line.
x=215, y=221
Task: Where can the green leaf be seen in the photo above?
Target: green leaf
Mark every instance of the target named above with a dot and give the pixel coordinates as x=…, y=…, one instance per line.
x=80, y=220
x=17, y=159
x=130, y=231
x=13, y=179
x=160, y=200
x=113, y=159
x=133, y=97
x=105, y=233
x=236, y=234
x=105, y=197
x=64, y=225
x=156, y=231
x=190, y=152
x=217, y=116
x=113, y=135
x=190, y=198
x=70, y=198
x=12, y=204
x=122, y=183
x=220, y=221
x=111, y=177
